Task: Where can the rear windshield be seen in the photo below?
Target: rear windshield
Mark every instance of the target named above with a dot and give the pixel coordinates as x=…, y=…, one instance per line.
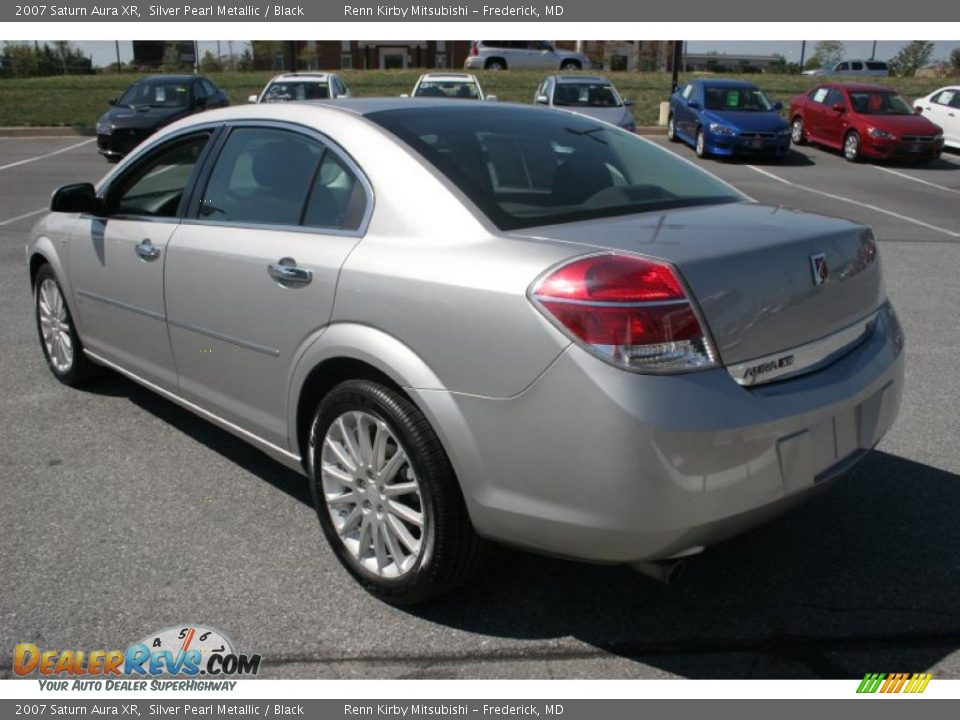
x=286, y=91
x=871, y=65
x=526, y=167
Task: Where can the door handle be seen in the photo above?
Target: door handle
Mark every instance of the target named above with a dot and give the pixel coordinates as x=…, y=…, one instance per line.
x=286, y=271
x=147, y=250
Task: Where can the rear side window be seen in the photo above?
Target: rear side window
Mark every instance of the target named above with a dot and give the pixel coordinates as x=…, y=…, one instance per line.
x=268, y=176
x=526, y=167
x=876, y=65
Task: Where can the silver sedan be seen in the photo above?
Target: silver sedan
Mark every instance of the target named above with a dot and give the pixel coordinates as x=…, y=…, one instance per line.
x=468, y=323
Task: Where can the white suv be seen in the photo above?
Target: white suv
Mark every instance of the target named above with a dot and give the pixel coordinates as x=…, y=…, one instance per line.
x=523, y=55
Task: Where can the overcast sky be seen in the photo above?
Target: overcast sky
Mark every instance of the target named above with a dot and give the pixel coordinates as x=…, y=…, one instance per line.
x=104, y=52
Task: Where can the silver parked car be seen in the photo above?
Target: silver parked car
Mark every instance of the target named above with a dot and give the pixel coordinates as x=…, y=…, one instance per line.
x=523, y=55
x=853, y=68
x=467, y=322
x=591, y=96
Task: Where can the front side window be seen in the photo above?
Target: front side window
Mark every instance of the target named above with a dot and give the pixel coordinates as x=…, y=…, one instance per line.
x=156, y=94
x=586, y=94
x=687, y=92
x=524, y=168
x=268, y=176
x=155, y=186
x=834, y=97
x=737, y=98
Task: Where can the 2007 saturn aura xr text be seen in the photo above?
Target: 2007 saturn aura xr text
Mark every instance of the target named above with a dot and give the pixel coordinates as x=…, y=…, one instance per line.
x=470, y=323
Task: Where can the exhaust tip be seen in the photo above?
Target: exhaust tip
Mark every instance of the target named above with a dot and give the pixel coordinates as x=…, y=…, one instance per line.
x=663, y=571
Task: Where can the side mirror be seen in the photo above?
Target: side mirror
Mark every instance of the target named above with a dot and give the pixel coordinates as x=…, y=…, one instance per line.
x=252, y=98
x=778, y=106
x=693, y=104
x=491, y=98
x=200, y=102
x=112, y=101
x=628, y=102
x=76, y=198
x=542, y=100
x=839, y=107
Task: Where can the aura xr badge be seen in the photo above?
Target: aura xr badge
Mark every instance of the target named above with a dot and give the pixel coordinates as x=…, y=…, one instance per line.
x=818, y=265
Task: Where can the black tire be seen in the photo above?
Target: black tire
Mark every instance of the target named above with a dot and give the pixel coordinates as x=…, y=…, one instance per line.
x=569, y=65
x=672, y=129
x=495, y=64
x=701, y=144
x=451, y=549
x=81, y=368
x=851, y=146
x=797, y=131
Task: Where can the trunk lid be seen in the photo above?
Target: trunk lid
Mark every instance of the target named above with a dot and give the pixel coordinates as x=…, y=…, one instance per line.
x=751, y=269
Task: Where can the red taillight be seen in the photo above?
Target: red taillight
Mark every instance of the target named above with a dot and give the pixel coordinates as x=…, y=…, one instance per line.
x=630, y=310
x=474, y=50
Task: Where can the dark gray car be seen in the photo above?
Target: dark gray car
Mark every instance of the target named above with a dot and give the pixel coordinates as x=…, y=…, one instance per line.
x=149, y=104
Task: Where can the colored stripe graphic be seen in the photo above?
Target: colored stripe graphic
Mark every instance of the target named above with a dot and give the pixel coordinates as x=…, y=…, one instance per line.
x=894, y=683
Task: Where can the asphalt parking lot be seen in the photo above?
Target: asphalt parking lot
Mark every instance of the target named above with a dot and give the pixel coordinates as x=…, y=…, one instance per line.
x=123, y=514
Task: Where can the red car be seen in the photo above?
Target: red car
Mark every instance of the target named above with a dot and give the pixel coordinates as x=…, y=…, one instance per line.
x=864, y=121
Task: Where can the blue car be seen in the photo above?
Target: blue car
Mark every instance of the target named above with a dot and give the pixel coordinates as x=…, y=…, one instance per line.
x=727, y=118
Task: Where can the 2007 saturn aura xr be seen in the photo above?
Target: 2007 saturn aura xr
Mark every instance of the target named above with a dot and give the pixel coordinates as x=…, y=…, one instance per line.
x=470, y=323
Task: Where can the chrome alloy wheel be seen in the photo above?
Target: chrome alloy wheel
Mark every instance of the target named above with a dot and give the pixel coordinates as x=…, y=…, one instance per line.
x=851, y=147
x=796, y=131
x=372, y=494
x=55, y=326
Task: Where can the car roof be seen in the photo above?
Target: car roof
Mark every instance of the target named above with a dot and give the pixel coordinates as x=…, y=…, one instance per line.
x=725, y=83
x=155, y=79
x=581, y=79
x=318, y=77
x=449, y=76
x=861, y=87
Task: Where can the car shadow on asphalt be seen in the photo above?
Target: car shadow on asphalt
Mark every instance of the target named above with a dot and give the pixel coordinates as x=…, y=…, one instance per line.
x=862, y=578
x=220, y=441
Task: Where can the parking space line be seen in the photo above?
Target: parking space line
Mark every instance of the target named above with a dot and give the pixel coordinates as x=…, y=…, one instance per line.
x=916, y=179
x=22, y=217
x=50, y=154
x=841, y=198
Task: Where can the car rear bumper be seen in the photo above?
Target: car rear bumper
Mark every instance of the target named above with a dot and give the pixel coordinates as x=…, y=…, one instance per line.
x=474, y=62
x=599, y=464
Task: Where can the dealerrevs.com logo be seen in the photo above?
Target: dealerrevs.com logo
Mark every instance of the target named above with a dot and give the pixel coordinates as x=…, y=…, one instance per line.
x=185, y=652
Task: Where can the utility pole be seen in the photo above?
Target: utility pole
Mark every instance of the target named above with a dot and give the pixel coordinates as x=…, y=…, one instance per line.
x=116, y=44
x=803, y=53
x=677, y=60
x=873, y=53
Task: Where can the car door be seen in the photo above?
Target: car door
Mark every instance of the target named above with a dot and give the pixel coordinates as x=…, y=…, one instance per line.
x=835, y=121
x=951, y=123
x=814, y=113
x=937, y=109
x=251, y=272
x=117, y=259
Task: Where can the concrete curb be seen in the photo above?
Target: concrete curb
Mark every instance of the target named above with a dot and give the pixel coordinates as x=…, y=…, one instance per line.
x=651, y=130
x=14, y=132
